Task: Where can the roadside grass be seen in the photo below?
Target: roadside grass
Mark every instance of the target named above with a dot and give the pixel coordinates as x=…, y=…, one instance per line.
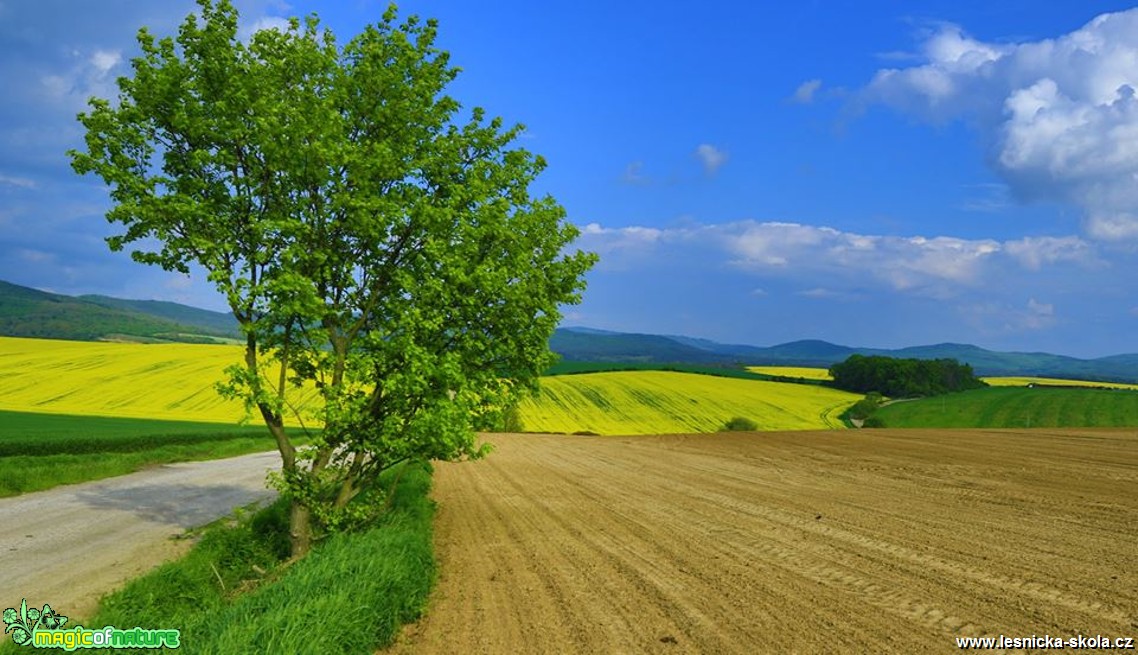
x=1017, y=407
x=232, y=593
x=41, y=451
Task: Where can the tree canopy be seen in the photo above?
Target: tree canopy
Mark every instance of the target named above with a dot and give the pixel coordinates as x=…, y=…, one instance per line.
x=369, y=242
x=903, y=378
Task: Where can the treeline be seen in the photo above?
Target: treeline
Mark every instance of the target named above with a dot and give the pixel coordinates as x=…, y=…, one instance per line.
x=903, y=378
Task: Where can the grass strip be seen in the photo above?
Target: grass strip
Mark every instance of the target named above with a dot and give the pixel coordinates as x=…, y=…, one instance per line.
x=231, y=594
x=41, y=451
x=26, y=473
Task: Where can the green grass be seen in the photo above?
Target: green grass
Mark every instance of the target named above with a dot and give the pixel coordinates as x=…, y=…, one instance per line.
x=350, y=595
x=41, y=451
x=1016, y=407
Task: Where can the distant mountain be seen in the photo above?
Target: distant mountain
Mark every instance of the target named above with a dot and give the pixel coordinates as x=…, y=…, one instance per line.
x=27, y=312
x=575, y=344
x=218, y=322
x=579, y=345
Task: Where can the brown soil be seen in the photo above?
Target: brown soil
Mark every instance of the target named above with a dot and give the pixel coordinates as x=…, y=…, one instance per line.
x=853, y=542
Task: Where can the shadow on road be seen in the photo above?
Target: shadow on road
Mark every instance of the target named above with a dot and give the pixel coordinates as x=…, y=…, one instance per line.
x=184, y=505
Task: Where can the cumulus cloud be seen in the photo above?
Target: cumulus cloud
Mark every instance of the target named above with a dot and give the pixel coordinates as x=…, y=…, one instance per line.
x=804, y=94
x=711, y=157
x=102, y=61
x=1034, y=252
x=1059, y=116
x=827, y=258
x=263, y=23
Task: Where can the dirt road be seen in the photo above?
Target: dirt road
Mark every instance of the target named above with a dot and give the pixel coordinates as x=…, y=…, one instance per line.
x=853, y=542
x=69, y=545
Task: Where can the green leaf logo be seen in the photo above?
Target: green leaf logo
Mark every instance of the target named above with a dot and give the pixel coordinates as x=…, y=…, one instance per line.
x=20, y=636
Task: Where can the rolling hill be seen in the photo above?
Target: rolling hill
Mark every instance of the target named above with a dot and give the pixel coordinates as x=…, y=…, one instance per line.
x=574, y=344
x=27, y=312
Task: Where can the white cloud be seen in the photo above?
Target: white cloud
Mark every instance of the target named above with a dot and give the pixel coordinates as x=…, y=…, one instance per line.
x=903, y=263
x=1058, y=115
x=711, y=157
x=606, y=239
x=263, y=23
x=804, y=94
x=20, y=182
x=827, y=258
x=1034, y=252
x=822, y=293
x=88, y=74
x=33, y=256
x=102, y=61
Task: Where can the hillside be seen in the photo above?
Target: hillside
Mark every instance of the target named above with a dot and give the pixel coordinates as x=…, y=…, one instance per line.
x=203, y=319
x=27, y=312
x=104, y=379
x=649, y=402
x=1017, y=407
x=575, y=344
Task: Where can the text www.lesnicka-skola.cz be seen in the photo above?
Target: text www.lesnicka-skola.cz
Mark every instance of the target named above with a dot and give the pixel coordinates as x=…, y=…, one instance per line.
x=1046, y=642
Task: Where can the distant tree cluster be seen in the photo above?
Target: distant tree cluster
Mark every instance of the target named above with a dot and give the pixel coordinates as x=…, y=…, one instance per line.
x=739, y=424
x=903, y=378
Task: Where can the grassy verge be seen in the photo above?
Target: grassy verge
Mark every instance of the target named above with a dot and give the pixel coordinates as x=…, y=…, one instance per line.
x=1016, y=407
x=41, y=451
x=231, y=594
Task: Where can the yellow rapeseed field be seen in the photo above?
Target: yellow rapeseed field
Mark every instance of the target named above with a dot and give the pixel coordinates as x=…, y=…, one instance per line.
x=651, y=402
x=806, y=372
x=1009, y=381
x=159, y=381
x=176, y=382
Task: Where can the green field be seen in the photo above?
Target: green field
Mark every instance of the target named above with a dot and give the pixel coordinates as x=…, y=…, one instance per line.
x=29, y=433
x=1017, y=407
x=659, y=402
x=40, y=451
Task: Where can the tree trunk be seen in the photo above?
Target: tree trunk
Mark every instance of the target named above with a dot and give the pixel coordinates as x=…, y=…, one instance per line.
x=300, y=530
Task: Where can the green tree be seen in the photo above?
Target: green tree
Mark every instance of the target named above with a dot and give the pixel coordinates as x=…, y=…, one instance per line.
x=368, y=242
x=739, y=424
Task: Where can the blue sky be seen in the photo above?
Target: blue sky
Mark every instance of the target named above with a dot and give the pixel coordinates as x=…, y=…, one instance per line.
x=873, y=174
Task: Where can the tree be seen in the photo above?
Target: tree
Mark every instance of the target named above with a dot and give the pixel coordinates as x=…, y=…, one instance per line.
x=371, y=248
x=739, y=424
x=903, y=377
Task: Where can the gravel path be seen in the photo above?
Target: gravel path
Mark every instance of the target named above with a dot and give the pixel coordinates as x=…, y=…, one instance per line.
x=69, y=545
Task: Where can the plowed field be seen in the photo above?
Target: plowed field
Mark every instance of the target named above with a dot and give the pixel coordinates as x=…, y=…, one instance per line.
x=805, y=542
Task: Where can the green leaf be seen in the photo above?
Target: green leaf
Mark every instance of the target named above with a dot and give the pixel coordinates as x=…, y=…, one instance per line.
x=19, y=636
